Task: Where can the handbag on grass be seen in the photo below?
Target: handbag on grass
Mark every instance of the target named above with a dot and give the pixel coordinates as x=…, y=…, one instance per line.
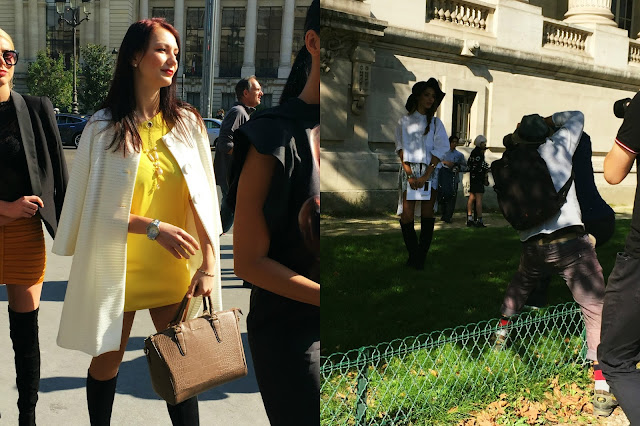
x=193, y=356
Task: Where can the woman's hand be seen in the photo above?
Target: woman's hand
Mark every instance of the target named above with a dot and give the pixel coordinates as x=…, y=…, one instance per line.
x=25, y=206
x=201, y=285
x=177, y=241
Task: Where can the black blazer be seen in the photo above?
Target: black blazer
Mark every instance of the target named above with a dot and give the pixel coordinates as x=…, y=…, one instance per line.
x=45, y=157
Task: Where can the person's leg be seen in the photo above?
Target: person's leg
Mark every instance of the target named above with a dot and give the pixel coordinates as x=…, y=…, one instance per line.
x=427, y=222
x=479, y=222
x=471, y=202
x=619, y=349
x=24, y=302
x=284, y=361
x=450, y=207
x=538, y=297
x=185, y=413
x=226, y=212
x=102, y=377
x=408, y=229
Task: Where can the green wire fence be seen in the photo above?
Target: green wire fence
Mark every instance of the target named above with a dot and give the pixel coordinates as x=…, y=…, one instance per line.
x=418, y=378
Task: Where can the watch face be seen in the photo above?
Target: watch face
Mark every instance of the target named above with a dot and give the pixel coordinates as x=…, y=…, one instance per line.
x=153, y=231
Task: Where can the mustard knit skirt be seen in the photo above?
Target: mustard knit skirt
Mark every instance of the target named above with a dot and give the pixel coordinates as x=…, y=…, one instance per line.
x=22, y=252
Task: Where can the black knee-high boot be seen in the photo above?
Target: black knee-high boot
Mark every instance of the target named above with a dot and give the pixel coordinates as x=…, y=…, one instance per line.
x=100, y=394
x=426, y=235
x=186, y=413
x=26, y=347
x=411, y=241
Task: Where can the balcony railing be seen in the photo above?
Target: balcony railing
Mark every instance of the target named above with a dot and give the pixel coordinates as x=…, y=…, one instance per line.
x=467, y=13
x=558, y=34
x=634, y=52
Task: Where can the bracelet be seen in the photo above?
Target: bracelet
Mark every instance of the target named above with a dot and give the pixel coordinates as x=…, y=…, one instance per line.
x=209, y=274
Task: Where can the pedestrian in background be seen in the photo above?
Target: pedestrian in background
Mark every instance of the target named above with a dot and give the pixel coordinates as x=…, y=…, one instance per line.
x=249, y=93
x=276, y=180
x=140, y=215
x=33, y=179
x=220, y=114
x=478, y=179
x=421, y=141
x=453, y=163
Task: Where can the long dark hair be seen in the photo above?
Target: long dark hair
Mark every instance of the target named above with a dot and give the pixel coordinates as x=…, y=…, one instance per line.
x=412, y=102
x=302, y=65
x=121, y=100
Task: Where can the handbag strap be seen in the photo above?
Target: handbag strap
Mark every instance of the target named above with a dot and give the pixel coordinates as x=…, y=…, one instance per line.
x=181, y=313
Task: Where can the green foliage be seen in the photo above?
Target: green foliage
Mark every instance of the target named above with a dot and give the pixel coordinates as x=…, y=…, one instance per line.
x=47, y=77
x=97, y=70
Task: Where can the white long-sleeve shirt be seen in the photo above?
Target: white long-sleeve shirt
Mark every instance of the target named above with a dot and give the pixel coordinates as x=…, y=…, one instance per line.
x=415, y=145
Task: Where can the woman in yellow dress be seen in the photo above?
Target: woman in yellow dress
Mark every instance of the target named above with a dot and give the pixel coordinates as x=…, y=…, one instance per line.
x=140, y=214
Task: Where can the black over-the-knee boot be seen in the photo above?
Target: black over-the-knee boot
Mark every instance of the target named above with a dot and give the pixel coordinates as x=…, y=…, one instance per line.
x=100, y=394
x=426, y=235
x=411, y=241
x=186, y=413
x=26, y=347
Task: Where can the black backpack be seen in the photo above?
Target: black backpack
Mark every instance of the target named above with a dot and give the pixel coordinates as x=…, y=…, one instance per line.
x=526, y=195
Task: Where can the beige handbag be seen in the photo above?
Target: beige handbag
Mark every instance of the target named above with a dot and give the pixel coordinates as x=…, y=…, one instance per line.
x=193, y=356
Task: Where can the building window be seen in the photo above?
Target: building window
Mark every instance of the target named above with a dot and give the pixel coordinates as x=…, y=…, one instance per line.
x=60, y=36
x=461, y=123
x=194, y=42
x=298, y=30
x=193, y=98
x=232, y=41
x=268, y=41
x=163, y=12
x=623, y=12
x=228, y=100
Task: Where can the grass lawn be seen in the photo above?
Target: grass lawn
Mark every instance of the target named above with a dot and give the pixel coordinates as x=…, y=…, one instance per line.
x=369, y=296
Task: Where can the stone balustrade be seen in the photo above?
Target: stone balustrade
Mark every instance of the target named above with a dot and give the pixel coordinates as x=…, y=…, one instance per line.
x=559, y=34
x=472, y=14
x=634, y=52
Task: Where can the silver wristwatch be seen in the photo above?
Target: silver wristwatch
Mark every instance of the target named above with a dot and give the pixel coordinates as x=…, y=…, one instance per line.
x=153, y=229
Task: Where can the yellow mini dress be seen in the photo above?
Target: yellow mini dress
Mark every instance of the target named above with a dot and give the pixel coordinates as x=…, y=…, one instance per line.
x=154, y=276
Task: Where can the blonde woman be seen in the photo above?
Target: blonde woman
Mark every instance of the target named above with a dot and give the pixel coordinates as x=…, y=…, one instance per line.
x=33, y=178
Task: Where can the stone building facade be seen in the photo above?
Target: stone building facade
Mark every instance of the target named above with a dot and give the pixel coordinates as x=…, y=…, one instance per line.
x=496, y=60
x=251, y=37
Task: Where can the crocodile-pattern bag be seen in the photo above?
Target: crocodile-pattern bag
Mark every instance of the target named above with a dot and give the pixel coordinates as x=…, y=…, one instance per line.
x=193, y=356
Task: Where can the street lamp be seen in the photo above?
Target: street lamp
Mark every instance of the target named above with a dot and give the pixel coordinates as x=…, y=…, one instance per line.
x=74, y=22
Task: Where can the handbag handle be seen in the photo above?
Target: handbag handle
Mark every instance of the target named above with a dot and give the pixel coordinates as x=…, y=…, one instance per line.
x=181, y=313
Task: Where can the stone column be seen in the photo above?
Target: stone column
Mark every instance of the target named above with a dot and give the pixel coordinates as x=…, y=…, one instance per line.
x=250, y=34
x=33, y=30
x=286, y=41
x=144, y=9
x=42, y=23
x=104, y=23
x=590, y=12
x=18, y=35
x=217, y=20
x=178, y=15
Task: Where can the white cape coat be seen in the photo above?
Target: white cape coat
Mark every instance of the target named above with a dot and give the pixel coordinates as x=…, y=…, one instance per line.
x=94, y=225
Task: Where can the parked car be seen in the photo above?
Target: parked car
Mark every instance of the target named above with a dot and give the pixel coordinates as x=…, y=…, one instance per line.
x=213, y=130
x=71, y=127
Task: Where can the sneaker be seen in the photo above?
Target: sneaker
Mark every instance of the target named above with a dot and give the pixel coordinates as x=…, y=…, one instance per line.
x=604, y=403
x=501, y=336
x=470, y=223
x=480, y=225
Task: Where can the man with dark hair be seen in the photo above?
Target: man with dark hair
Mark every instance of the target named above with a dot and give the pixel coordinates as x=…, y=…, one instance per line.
x=248, y=93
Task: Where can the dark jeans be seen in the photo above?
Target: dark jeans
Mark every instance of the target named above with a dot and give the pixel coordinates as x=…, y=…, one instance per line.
x=286, y=359
x=226, y=212
x=575, y=261
x=448, y=206
x=619, y=350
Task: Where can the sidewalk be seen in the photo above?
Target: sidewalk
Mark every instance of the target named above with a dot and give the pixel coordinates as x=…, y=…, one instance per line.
x=376, y=225
x=62, y=387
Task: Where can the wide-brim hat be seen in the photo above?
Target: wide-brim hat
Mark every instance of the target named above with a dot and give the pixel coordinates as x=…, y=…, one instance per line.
x=532, y=130
x=421, y=86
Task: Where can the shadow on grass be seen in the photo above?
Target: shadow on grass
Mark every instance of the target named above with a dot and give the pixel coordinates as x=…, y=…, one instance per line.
x=369, y=295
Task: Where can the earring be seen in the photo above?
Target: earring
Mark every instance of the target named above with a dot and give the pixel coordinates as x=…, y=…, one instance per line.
x=135, y=65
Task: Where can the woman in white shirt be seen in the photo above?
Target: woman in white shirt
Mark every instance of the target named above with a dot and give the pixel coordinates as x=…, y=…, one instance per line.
x=421, y=141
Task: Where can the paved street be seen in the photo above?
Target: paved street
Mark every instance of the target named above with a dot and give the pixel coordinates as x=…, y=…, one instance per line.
x=62, y=389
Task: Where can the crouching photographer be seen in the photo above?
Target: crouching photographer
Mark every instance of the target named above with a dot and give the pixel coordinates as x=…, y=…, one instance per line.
x=619, y=351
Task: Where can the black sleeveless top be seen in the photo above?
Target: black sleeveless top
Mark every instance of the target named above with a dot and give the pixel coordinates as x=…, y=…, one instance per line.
x=14, y=174
x=292, y=206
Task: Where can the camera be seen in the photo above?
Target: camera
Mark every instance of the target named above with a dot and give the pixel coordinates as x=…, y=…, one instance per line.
x=620, y=107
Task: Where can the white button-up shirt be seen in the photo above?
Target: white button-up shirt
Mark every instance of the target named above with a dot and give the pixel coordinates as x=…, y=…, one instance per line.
x=415, y=145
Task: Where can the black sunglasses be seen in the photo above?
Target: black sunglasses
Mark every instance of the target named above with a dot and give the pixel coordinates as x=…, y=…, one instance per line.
x=10, y=57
